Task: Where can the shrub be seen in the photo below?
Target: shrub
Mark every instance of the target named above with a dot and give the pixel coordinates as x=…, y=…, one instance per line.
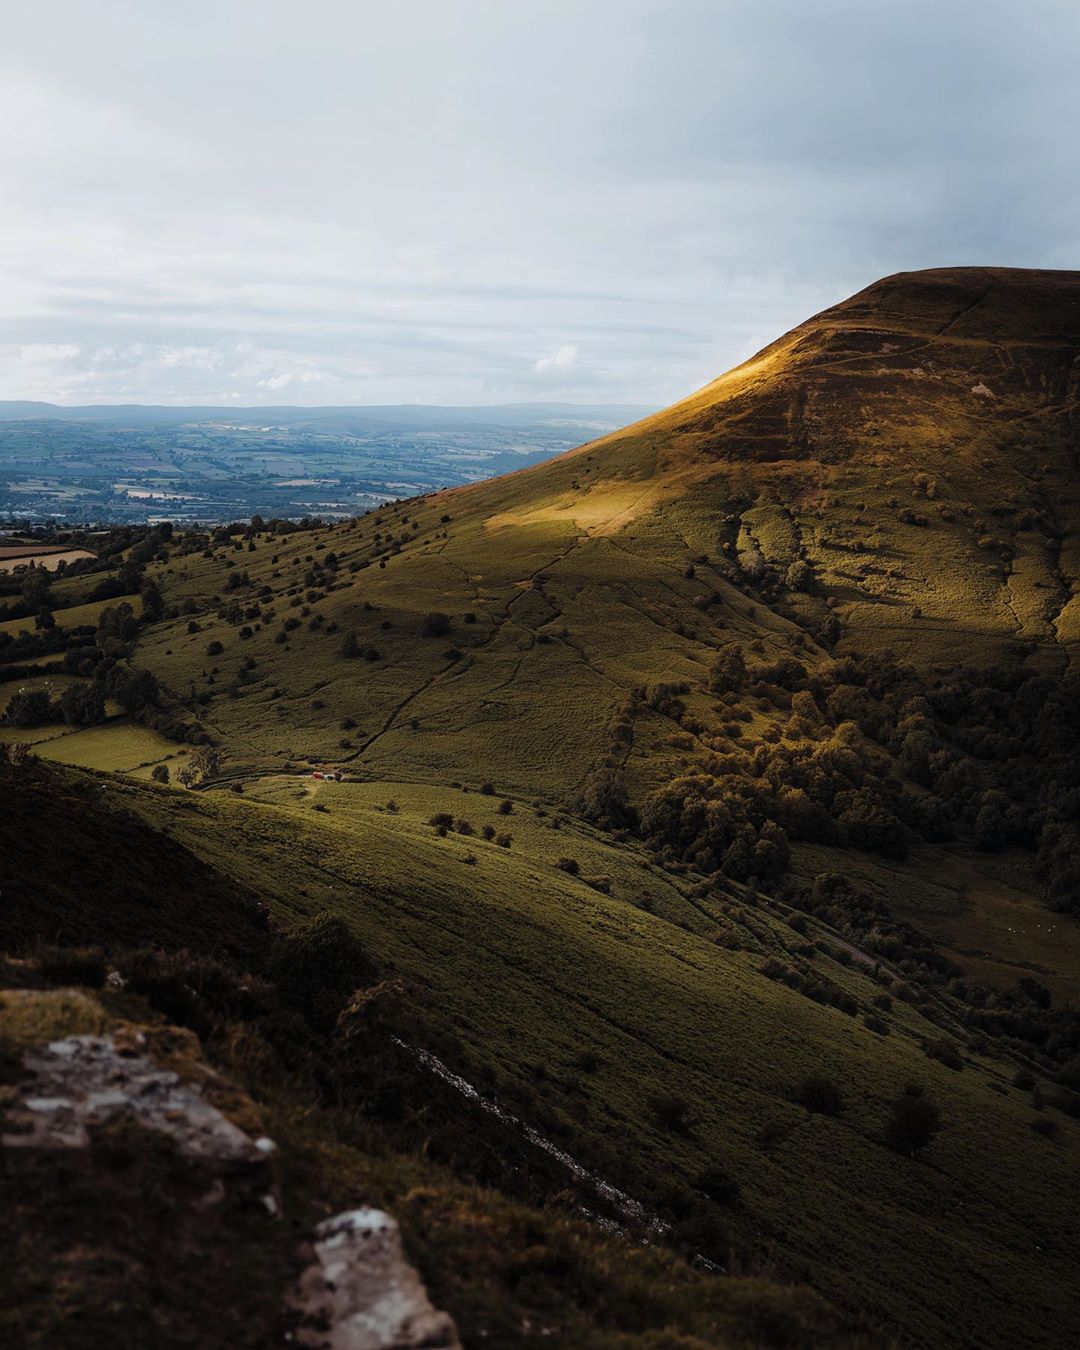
x=160, y=773
x=435, y=624
x=570, y=865
x=317, y=966
x=506, y=807
x=820, y=1095
x=672, y=1112
x=73, y=965
x=1044, y=1126
x=715, y=1184
x=912, y=1123
x=214, y=648
x=945, y=1052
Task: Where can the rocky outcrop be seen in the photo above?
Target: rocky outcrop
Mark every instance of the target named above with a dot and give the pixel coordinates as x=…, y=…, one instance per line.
x=174, y=1172
x=361, y=1293
x=81, y=1082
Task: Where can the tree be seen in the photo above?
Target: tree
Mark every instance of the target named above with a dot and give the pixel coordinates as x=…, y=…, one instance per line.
x=799, y=577
x=913, y=1122
x=729, y=670
x=82, y=705
x=602, y=799
x=28, y=708
x=160, y=773
x=204, y=763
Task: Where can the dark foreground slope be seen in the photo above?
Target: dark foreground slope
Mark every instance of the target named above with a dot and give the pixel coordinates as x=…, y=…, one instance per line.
x=179, y=1234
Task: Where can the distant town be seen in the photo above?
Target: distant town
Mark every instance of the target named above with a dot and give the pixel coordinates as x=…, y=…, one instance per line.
x=141, y=465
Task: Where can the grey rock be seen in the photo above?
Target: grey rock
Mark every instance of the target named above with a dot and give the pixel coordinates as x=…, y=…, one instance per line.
x=361, y=1293
x=83, y=1081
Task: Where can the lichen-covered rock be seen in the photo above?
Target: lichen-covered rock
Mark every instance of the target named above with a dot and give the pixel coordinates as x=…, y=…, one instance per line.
x=361, y=1293
x=79, y=1082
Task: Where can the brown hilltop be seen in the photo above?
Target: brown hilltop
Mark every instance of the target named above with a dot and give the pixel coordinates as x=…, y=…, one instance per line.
x=897, y=473
x=923, y=432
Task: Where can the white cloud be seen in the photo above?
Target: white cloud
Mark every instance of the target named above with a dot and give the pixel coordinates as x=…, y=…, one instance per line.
x=563, y=359
x=38, y=353
x=665, y=192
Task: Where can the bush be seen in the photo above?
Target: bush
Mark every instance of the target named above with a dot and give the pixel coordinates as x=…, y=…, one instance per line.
x=715, y=1184
x=73, y=965
x=317, y=966
x=214, y=648
x=820, y=1095
x=570, y=865
x=945, y=1052
x=672, y=1112
x=435, y=624
x=160, y=773
x=1047, y=1128
x=912, y=1123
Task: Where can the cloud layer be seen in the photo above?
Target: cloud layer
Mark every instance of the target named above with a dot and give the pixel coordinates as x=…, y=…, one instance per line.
x=467, y=201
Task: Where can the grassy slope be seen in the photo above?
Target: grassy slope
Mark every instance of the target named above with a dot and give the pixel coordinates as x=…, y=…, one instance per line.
x=667, y=1010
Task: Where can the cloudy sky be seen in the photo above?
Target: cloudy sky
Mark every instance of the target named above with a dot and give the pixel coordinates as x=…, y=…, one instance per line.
x=480, y=201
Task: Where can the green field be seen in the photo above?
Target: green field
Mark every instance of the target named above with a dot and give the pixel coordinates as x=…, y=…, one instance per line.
x=117, y=746
x=75, y=616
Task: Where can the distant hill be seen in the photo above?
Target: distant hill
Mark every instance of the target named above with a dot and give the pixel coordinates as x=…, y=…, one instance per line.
x=411, y=414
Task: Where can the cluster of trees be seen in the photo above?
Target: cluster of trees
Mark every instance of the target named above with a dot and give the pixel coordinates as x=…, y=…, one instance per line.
x=876, y=754
x=1022, y=1019
x=80, y=705
x=102, y=656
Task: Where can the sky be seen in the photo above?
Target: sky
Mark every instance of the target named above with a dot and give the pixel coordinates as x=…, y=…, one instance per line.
x=489, y=201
